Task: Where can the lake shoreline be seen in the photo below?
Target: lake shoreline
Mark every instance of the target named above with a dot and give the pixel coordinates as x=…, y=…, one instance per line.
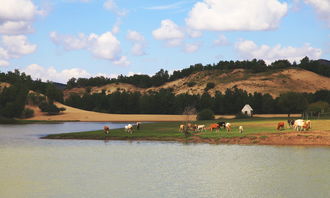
x=310, y=139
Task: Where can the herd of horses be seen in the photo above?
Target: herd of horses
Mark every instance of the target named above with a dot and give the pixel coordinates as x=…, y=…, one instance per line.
x=298, y=125
x=214, y=126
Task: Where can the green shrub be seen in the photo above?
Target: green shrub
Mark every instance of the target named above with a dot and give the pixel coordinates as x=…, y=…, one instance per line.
x=27, y=113
x=50, y=108
x=209, y=86
x=205, y=114
x=191, y=84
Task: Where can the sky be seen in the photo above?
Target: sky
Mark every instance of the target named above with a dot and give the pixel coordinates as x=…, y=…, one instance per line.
x=59, y=39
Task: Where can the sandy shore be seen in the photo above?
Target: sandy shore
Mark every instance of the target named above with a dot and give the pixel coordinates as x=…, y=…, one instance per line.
x=74, y=114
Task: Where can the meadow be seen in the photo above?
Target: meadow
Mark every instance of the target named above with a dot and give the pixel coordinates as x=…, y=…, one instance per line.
x=256, y=131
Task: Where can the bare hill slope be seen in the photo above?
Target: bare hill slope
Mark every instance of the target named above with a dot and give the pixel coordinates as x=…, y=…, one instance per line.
x=274, y=83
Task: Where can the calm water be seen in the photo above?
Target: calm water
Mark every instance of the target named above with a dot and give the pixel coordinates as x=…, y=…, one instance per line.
x=33, y=167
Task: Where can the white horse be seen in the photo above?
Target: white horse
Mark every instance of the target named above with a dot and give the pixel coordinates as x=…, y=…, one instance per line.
x=129, y=128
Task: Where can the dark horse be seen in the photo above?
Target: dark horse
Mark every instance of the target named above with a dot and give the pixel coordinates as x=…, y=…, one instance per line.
x=222, y=124
x=291, y=122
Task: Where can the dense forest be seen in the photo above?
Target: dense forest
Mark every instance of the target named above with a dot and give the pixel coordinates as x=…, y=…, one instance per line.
x=23, y=90
x=14, y=98
x=321, y=67
x=166, y=102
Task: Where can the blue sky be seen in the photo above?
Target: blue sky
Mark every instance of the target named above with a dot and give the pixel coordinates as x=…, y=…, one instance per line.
x=57, y=40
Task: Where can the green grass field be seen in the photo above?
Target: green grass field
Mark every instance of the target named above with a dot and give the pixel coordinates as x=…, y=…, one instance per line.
x=170, y=130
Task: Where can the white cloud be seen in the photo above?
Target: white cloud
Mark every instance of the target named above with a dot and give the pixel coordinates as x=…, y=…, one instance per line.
x=15, y=27
x=194, y=33
x=322, y=8
x=14, y=47
x=70, y=42
x=112, y=6
x=38, y=72
x=4, y=63
x=122, y=61
x=138, y=42
x=249, y=50
x=169, y=32
x=190, y=48
x=105, y=46
x=221, y=41
x=228, y=15
x=16, y=16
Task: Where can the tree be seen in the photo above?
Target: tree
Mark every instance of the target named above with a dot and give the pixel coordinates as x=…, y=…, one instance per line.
x=205, y=114
x=292, y=102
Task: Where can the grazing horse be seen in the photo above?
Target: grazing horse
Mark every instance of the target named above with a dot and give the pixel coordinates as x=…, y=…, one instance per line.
x=291, y=122
x=280, y=126
x=299, y=125
x=240, y=129
x=106, y=129
x=129, y=128
x=228, y=126
x=308, y=125
x=201, y=127
x=181, y=128
x=214, y=126
x=138, y=124
x=222, y=124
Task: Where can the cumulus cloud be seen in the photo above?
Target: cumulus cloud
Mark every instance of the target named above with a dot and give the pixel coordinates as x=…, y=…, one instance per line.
x=194, y=33
x=221, y=41
x=249, y=50
x=122, y=61
x=169, y=32
x=138, y=42
x=104, y=46
x=16, y=16
x=322, y=8
x=228, y=15
x=14, y=47
x=190, y=48
x=39, y=72
x=69, y=42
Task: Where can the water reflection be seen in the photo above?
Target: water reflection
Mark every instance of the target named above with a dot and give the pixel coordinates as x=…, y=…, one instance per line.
x=33, y=167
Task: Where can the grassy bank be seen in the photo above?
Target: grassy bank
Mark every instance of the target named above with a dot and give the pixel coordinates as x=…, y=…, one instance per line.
x=258, y=130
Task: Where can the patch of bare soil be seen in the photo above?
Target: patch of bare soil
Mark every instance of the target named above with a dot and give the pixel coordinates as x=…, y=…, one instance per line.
x=309, y=138
x=272, y=83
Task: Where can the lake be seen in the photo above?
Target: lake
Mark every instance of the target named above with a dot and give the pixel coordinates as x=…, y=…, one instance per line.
x=34, y=167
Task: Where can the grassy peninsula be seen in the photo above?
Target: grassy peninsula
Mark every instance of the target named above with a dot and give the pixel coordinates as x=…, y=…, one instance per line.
x=256, y=131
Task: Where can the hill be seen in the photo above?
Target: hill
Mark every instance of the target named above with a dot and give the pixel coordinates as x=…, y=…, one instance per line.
x=272, y=82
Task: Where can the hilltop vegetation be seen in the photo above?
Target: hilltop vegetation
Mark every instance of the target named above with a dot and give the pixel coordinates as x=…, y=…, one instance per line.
x=19, y=90
x=223, y=88
x=321, y=67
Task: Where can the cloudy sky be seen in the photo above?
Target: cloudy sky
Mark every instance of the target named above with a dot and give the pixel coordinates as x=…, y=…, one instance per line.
x=59, y=39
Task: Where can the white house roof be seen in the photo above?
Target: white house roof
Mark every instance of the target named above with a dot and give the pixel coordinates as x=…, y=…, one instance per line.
x=247, y=108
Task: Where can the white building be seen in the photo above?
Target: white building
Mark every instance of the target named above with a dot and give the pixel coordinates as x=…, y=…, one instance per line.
x=247, y=110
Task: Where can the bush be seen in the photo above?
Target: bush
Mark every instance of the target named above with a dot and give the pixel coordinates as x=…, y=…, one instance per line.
x=50, y=108
x=209, y=86
x=27, y=113
x=191, y=84
x=205, y=114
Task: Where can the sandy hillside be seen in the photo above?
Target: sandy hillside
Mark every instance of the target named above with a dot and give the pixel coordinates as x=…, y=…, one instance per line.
x=297, y=80
x=74, y=114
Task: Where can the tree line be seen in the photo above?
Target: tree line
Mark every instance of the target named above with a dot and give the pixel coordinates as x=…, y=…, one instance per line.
x=14, y=98
x=165, y=101
x=321, y=67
